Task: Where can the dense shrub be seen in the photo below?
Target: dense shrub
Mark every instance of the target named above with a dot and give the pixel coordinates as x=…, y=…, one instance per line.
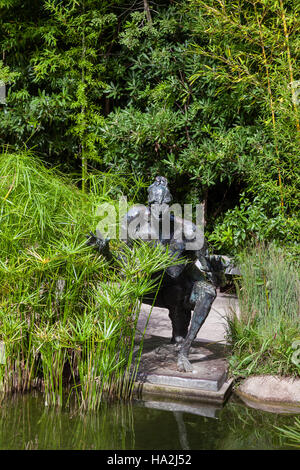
x=202, y=92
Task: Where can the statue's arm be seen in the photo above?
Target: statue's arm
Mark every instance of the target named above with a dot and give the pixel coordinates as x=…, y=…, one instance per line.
x=100, y=243
x=216, y=267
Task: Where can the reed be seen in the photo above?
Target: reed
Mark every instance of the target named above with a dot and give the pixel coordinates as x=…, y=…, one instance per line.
x=262, y=333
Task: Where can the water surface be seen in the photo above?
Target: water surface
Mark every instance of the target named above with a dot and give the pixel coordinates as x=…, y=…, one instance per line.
x=25, y=423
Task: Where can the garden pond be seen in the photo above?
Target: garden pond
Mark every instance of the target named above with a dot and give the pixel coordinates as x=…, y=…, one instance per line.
x=26, y=423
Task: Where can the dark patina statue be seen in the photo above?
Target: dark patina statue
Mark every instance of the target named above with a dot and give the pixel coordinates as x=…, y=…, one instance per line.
x=185, y=287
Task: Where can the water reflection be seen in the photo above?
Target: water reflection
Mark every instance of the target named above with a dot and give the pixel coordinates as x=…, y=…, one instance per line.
x=25, y=423
x=184, y=443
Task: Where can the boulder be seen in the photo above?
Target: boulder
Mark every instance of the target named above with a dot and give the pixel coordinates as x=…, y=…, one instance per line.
x=271, y=393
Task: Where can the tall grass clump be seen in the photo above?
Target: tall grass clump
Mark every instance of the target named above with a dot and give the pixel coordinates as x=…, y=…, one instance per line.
x=67, y=316
x=266, y=330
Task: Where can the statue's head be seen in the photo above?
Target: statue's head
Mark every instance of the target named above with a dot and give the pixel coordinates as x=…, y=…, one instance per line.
x=159, y=197
x=158, y=192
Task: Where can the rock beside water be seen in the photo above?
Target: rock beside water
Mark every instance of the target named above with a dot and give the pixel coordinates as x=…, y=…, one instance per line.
x=271, y=393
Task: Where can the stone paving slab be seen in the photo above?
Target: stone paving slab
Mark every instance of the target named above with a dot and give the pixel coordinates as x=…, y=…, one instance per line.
x=200, y=397
x=214, y=328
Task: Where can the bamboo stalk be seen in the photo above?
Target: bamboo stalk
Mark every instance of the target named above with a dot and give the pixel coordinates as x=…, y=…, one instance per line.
x=266, y=64
x=83, y=149
x=286, y=35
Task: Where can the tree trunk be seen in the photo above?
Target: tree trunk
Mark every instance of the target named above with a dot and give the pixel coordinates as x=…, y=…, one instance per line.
x=147, y=10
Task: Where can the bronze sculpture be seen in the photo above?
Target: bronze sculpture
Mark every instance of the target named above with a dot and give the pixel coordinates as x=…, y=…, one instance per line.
x=185, y=287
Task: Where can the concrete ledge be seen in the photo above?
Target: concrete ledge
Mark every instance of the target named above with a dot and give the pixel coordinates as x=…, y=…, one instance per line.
x=197, y=395
x=188, y=382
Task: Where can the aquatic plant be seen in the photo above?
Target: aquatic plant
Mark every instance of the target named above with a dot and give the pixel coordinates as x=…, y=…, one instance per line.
x=67, y=316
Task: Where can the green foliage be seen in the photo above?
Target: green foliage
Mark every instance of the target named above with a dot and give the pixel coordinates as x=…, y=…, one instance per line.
x=291, y=433
x=66, y=316
x=5, y=75
x=262, y=333
x=252, y=48
x=202, y=92
x=257, y=220
x=55, y=105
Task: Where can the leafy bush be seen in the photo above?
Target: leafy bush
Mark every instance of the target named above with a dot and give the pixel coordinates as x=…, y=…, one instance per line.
x=254, y=221
x=203, y=93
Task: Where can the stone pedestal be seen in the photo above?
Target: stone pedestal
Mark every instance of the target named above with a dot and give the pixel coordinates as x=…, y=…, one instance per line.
x=158, y=374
